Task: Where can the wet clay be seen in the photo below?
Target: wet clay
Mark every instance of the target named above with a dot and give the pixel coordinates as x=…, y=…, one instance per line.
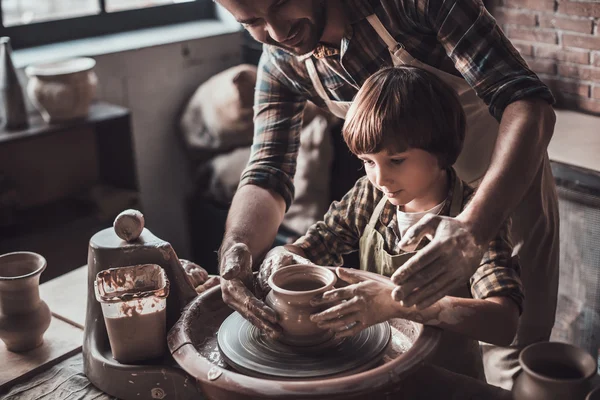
x=302, y=285
x=136, y=336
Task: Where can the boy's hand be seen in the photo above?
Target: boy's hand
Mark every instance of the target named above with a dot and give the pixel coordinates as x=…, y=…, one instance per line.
x=238, y=285
x=198, y=276
x=356, y=307
x=278, y=257
x=448, y=261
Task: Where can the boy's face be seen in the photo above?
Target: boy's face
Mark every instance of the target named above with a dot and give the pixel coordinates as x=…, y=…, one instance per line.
x=407, y=178
x=293, y=25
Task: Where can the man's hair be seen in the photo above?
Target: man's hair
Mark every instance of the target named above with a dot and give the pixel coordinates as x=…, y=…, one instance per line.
x=399, y=108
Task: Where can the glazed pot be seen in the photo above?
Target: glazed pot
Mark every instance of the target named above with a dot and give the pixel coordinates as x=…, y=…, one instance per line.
x=554, y=371
x=62, y=90
x=24, y=317
x=292, y=288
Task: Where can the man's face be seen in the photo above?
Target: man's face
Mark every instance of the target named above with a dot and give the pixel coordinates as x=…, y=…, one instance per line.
x=293, y=25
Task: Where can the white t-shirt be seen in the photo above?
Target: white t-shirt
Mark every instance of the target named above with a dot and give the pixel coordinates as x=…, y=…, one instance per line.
x=406, y=220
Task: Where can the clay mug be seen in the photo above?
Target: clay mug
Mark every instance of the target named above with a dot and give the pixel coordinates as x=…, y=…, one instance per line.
x=594, y=394
x=292, y=288
x=554, y=371
x=24, y=317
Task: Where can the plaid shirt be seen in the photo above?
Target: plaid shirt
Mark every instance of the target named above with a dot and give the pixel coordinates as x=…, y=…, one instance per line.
x=343, y=225
x=459, y=37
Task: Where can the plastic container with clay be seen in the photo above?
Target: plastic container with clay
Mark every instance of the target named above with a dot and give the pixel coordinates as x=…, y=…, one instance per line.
x=134, y=300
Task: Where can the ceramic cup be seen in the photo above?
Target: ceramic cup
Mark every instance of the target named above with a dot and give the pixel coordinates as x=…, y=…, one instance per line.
x=292, y=288
x=594, y=394
x=553, y=370
x=24, y=317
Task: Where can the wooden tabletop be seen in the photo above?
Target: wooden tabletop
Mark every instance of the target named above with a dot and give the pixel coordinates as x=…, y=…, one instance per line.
x=66, y=296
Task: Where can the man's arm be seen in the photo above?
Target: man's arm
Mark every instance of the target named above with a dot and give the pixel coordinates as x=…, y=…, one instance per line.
x=522, y=103
x=254, y=218
x=525, y=132
x=266, y=189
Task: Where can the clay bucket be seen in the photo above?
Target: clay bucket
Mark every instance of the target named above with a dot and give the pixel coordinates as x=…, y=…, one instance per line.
x=134, y=301
x=24, y=317
x=193, y=344
x=292, y=288
x=554, y=371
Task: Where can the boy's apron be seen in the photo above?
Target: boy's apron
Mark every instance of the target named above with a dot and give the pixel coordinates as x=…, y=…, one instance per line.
x=456, y=352
x=534, y=219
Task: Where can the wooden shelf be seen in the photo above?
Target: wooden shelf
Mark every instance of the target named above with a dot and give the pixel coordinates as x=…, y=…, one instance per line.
x=99, y=112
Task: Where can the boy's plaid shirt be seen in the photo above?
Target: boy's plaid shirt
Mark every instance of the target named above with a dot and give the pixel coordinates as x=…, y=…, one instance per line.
x=340, y=231
x=457, y=36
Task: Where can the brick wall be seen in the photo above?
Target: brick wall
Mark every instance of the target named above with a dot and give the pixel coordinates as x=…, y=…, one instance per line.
x=560, y=40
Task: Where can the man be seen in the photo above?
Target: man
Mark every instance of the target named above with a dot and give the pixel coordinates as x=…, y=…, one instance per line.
x=323, y=51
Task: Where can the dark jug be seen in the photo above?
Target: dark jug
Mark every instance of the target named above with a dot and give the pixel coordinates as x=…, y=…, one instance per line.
x=554, y=371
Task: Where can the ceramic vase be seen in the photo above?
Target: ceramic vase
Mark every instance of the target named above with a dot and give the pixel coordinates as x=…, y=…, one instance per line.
x=554, y=371
x=13, y=101
x=63, y=90
x=24, y=317
x=292, y=288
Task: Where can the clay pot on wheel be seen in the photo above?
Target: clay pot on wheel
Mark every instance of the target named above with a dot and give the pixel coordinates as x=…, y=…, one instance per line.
x=62, y=90
x=24, y=317
x=292, y=288
x=554, y=371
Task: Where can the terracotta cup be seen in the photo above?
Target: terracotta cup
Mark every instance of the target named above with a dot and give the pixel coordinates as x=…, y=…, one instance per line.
x=292, y=288
x=24, y=317
x=554, y=371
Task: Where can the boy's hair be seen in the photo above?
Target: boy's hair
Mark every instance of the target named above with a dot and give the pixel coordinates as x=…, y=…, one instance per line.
x=399, y=108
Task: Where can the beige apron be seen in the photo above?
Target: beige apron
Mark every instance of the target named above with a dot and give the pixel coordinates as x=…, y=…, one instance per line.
x=456, y=352
x=534, y=219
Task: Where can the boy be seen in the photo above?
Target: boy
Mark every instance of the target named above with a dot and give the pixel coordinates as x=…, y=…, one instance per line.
x=408, y=127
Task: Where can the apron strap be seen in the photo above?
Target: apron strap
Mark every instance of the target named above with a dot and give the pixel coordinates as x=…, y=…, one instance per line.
x=457, y=197
x=389, y=40
x=314, y=77
x=377, y=212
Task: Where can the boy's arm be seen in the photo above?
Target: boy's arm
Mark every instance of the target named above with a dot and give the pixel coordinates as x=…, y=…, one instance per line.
x=493, y=320
x=342, y=226
x=368, y=301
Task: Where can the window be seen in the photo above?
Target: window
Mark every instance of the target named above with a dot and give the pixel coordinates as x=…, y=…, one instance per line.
x=36, y=22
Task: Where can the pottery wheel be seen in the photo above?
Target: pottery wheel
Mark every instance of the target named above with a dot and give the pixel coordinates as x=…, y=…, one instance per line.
x=248, y=350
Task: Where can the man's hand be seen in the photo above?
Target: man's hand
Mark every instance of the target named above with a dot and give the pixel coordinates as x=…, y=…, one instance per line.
x=198, y=276
x=448, y=261
x=239, y=290
x=278, y=257
x=355, y=307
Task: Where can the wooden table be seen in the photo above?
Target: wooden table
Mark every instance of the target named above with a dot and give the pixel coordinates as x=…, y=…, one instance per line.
x=53, y=372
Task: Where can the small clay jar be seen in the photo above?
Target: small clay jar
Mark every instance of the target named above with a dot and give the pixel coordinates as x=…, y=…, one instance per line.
x=292, y=288
x=62, y=90
x=24, y=317
x=554, y=371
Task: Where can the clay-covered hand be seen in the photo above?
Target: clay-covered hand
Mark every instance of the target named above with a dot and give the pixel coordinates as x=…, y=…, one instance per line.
x=363, y=303
x=195, y=273
x=239, y=289
x=198, y=276
x=278, y=257
x=448, y=261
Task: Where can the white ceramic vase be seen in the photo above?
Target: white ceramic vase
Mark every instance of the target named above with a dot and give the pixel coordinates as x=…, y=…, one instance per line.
x=63, y=90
